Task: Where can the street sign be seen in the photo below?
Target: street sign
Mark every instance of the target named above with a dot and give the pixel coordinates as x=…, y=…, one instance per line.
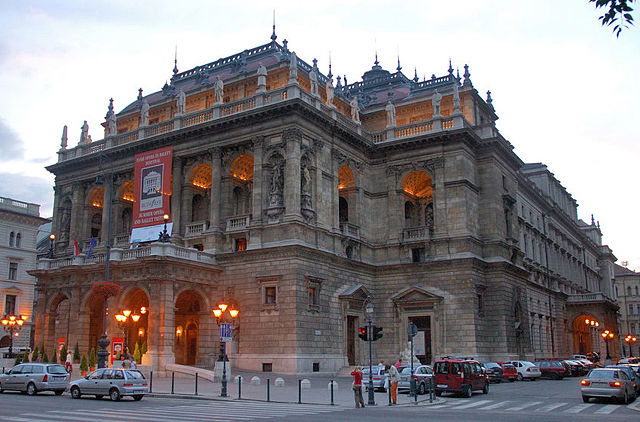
x=226, y=332
x=412, y=330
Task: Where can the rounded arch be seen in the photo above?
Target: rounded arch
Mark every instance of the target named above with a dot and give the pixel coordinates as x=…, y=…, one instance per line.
x=200, y=176
x=189, y=306
x=59, y=321
x=241, y=168
x=5, y=341
x=585, y=328
x=135, y=298
x=55, y=300
x=418, y=184
x=345, y=178
x=96, y=198
x=126, y=192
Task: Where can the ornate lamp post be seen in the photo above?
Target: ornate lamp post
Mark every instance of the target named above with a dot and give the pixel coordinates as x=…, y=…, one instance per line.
x=13, y=324
x=164, y=236
x=52, y=238
x=128, y=318
x=368, y=309
x=224, y=318
x=630, y=340
x=607, y=336
x=592, y=326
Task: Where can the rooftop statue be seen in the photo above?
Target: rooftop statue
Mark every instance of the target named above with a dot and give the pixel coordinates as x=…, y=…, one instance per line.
x=145, y=113
x=219, y=90
x=84, y=133
x=329, y=89
x=293, y=67
x=63, y=140
x=391, y=114
x=435, y=102
x=111, y=122
x=181, y=100
x=355, y=109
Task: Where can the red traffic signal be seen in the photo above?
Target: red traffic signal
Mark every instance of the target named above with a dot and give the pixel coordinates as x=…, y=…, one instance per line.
x=362, y=332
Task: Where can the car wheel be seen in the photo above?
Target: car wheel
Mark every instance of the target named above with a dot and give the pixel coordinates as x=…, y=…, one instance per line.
x=511, y=380
x=625, y=400
x=59, y=392
x=99, y=396
x=114, y=394
x=138, y=397
x=438, y=393
x=533, y=379
x=31, y=389
x=585, y=399
x=485, y=390
x=75, y=392
x=519, y=377
x=467, y=392
x=421, y=389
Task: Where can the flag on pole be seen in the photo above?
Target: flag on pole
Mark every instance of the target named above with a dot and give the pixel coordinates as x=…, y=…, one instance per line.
x=76, y=248
x=92, y=244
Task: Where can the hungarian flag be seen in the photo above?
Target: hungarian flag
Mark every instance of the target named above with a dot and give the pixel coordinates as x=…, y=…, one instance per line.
x=76, y=248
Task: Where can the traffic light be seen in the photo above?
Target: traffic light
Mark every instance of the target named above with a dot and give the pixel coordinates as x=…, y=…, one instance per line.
x=377, y=333
x=362, y=333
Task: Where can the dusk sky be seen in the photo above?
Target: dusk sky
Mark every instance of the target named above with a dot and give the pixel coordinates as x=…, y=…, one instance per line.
x=565, y=88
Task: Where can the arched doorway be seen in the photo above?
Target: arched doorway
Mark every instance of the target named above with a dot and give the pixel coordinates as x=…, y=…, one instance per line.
x=94, y=308
x=585, y=328
x=241, y=176
x=418, y=197
x=200, y=180
x=189, y=306
x=59, y=320
x=137, y=332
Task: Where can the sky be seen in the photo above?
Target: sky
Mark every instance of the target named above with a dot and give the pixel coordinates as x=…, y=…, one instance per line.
x=564, y=87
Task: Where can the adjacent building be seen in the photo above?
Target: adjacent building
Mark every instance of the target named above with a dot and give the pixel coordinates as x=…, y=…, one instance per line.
x=628, y=293
x=19, y=222
x=298, y=199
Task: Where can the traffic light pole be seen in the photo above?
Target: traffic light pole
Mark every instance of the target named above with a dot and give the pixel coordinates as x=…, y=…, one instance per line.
x=371, y=401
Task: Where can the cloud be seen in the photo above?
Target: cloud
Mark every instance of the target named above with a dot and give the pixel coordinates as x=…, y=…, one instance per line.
x=28, y=189
x=11, y=144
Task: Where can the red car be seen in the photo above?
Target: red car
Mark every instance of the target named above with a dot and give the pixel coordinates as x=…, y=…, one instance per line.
x=460, y=375
x=509, y=372
x=552, y=369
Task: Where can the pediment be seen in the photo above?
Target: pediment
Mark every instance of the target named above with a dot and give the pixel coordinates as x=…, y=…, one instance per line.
x=355, y=292
x=416, y=294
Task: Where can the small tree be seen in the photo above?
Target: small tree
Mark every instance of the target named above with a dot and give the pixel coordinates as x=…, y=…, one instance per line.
x=144, y=348
x=136, y=354
x=25, y=357
x=45, y=357
x=93, y=357
x=63, y=353
x=83, y=364
x=34, y=355
x=76, y=353
x=54, y=357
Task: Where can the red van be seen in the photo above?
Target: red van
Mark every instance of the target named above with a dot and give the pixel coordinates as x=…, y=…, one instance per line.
x=459, y=375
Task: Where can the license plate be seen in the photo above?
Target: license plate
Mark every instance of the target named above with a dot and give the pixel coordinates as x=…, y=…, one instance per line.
x=442, y=385
x=139, y=392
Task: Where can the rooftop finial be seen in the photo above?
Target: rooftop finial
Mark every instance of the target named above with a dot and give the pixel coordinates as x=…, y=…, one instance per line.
x=330, y=75
x=140, y=94
x=175, y=61
x=593, y=222
x=273, y=35
x=489, y=99
x=467, y=76
x=399, y=68
x=415, y=74
x=63, y=143
x=450, y=68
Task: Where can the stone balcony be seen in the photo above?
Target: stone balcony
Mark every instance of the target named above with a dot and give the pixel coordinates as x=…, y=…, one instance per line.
x=157, y=249
x=350, y=230
x=415, y=234
x=590, y=298
x=195, y=229
x=236, y=224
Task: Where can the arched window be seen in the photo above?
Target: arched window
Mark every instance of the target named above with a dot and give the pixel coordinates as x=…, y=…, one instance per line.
x=12, y=237
x=409, y=212
x=636, y=290
x=19, y=239
x=238, y=201
x=127, y=215
x=343, y=212
x=96, y=225
x=628, y=290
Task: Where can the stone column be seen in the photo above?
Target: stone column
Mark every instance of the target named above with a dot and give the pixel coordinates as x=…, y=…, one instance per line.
x=74, y=323
x=162, y=325
x=40, y=322
x=292, y=138
x=395, y=206
x=187, y=197
x=176, y=199
x=55, y=224
x=335, y=193
x=439, y=202
x=105, y=212
x=214, y=208
x=257, y=202
x=77, y=206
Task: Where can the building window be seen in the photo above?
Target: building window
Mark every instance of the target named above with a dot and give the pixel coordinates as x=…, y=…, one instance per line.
x=636, y=290
x=13, y=270
x=480, y=303
x=240, y=244
x=417, y=255
x=628, y=290
x=18, y=240
x=313, y=293
x=12, y=237
x=638, y=308
x=631, y=309
x=10, y=305
x=270, y=295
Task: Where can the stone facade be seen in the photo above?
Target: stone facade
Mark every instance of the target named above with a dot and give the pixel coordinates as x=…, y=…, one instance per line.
x=628, y=293
x=295, y=202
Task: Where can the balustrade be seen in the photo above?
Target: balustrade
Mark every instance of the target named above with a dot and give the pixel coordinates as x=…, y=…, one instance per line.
x=195, y=228
x=415, y=234
x=237, y=223
x=349, y=229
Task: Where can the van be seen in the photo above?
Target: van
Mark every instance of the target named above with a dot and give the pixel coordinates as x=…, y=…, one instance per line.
x=460, y=376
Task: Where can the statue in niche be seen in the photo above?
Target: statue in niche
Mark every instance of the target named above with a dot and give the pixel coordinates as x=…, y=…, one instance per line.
x=181, y=101
x=355, y=109
x=145, y=114
x=84, y=133
x=293, y=66
x=219, y=89
x=305, y=181
x=65, y=224
x=435, y=102
x=391, y=114
x=428, y=216
x=276, y=187
x=313, y=78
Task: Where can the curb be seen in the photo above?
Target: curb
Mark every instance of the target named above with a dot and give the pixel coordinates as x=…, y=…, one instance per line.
x=425, y=402
x=218, y=398
x=634, y=406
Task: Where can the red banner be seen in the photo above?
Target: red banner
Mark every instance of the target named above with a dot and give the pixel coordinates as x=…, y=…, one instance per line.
x=152, y=187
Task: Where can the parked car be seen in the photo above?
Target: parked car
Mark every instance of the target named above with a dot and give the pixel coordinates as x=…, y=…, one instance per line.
x=422, y=374
x=587, y=363
x=552, y=369
x=633, y=376
x=574, y=357
x=493, y=371
x=593, y=357
x=379, y=376
x=115, y=383
x=526, y=370
x=577, y=369
x=509, y=372
x=35, y=377
x=607, y=383
x=460, y=375
x=629, y=360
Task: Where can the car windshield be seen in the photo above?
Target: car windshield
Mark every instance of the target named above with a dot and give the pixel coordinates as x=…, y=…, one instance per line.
x=602, y=374
x=56, y=369
x=406, y=371
x=442, y=368
x=490, y=365
x=136, y=375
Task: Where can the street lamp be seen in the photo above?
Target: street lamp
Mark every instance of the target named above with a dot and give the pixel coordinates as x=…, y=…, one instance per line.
x=224, y=318
x=13, y=324
x=164, y=236
x=368, y=310
x=607, y=336
x=52, y=238
x=630, y=340
x=128, y=318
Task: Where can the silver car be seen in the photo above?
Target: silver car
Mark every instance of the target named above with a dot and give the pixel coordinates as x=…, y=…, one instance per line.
x=379, y=377
x=34, y=377
x=114, y=382
x=607, y=383
x=422, y=374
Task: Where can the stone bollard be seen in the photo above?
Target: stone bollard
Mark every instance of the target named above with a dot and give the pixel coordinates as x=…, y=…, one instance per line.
x=279, y=382
x=306, y=384
x=255, y=380
x=237, y=379
x=335, y=385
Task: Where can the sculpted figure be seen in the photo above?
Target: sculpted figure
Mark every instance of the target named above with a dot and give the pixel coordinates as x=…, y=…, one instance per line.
x=306, y=181
x=262, y=76
x=111, y=121
x=182, y=99
x=329, y=88
x=355, y=110
x=293, y=66
x=219, y=89
x=275, y=179
x=456, y=97
x=145, y=113
x=435, y=102
x=84, y=133
x=391, y=114
x=313, y=78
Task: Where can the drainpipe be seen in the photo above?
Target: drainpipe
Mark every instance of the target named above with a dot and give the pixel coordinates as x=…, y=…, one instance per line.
x=546, y=267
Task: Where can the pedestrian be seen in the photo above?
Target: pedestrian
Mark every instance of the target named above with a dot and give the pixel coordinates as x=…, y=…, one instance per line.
x=357, y=386
x=399, y=363
x=394, y=377
x=68, y=365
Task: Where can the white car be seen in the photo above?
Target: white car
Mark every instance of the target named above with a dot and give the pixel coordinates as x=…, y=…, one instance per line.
x=526, y=370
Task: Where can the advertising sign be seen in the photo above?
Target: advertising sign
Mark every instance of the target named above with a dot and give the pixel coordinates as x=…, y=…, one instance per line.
x=226, y=334
x=117, y=345
x=61, y=343
x=152, y=187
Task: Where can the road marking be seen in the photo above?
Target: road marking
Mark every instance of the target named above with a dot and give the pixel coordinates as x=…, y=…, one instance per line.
x=469, y=405
x=579, y=408
x=550, y=407
x=606, y=409
x=523, y=406
x=495, y=406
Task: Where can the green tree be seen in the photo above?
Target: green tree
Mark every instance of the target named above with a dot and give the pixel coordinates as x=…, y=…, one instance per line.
x=63, y=353
x=25, y=356
x=83, y=363
x=45, y=357
x=35, y=353
x=136, y=354
x=93, y=357
x=144, y=349
x=54, y=357
x=618, y=14
x=76, y=353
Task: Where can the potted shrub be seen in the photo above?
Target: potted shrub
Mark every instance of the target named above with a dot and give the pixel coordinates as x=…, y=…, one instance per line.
x=76, y=354
x=63, y=354
x=54, y=357
x=83, y=366
x=137, y=355
x=93, y=359
x=45, y=358
x=25, y=357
